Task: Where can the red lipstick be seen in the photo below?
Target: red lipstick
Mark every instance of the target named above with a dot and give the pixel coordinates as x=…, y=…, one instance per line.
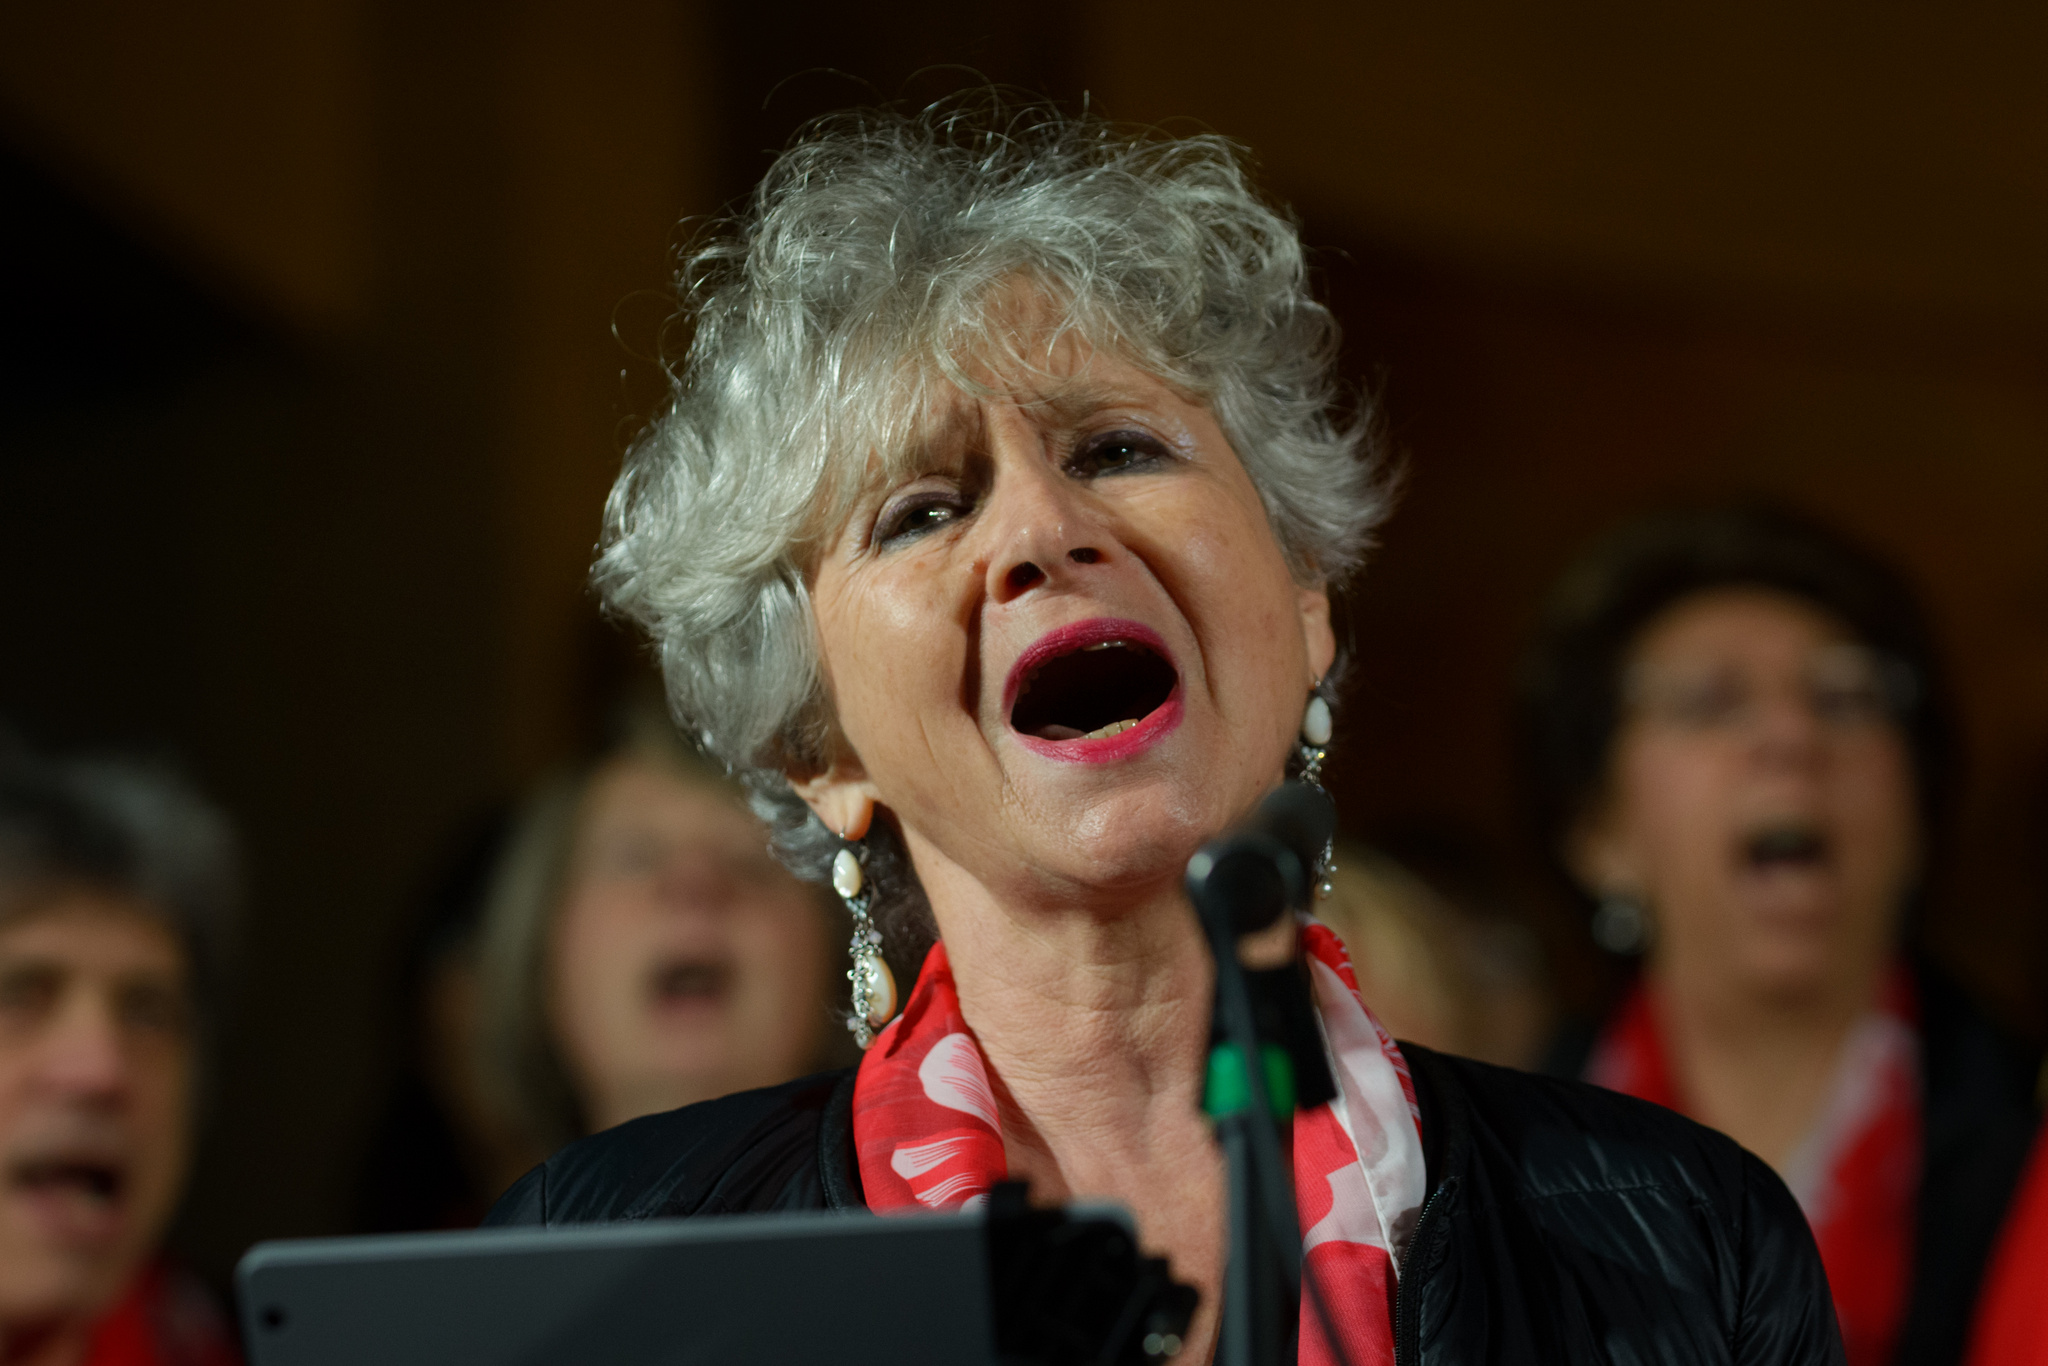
x=1127, y=676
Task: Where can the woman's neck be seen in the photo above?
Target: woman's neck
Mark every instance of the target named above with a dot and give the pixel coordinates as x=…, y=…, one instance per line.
x=1095, y=1025
x=1755, y=1065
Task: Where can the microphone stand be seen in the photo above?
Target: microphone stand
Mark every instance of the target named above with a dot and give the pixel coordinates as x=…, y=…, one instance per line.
x=1262, y=1279
x=1239, y=884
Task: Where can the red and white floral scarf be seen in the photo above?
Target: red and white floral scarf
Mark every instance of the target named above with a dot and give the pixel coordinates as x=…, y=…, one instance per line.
x=1856, y=1174
x=928, y=1134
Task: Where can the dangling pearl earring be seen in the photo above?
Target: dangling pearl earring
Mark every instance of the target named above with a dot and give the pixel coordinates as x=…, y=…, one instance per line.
x=874, y=988
x=1315, y=721
x=1316, y=728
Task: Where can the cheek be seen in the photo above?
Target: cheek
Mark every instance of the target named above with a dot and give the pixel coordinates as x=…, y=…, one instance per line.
x=1222, y=537
x=1878, y=808
x=591, y=958
x=1221, y=565
x=164, y=1111
x=897, y=639
x=1675, y=800
x=782, y=1002
x=166, y=1066
x=781, y=944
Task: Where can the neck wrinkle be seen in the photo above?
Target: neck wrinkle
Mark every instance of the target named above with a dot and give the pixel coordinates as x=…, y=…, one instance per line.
x=1094, y=1027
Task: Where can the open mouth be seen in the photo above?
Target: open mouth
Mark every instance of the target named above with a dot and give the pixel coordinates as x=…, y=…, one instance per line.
x=1787, y=846
x=691, y=980
x=92, y=1183
x=1093, y=685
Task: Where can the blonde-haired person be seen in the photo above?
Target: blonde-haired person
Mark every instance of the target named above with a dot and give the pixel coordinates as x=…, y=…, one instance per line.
x=1442, y=972
x=641, y=949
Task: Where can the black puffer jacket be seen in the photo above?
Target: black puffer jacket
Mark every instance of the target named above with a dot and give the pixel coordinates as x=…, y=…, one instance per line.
x=1563, y=1223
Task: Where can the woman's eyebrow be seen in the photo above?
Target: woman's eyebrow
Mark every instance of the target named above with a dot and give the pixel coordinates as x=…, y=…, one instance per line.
x=946, y=438
x=937, y=444
x=1075, y=401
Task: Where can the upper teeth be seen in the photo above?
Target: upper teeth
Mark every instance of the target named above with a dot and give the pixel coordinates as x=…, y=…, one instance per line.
x=1113, y=728
x=1105, y=645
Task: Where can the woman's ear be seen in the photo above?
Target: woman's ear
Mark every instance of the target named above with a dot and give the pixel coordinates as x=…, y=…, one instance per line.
x=1314, y=605
x=840, y=794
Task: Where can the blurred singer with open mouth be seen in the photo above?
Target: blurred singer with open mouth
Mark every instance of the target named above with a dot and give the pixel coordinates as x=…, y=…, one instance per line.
x=990, y=536
x=116, y=887
x=1738, y=741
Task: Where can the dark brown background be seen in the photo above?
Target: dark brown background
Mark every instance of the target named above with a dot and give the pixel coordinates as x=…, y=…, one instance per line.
x=310, y=388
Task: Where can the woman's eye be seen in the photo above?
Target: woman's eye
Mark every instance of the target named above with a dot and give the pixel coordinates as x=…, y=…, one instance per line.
x=914, y=519
x=155, y=1009
x=1116, y=451
x=1693, y=701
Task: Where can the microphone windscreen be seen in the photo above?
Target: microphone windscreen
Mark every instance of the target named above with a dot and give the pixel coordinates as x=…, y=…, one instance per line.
x=1301, y=817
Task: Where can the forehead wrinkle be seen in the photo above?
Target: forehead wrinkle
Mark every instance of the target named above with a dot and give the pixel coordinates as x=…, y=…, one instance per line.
x=1062, y=402
x=949, y=429
x=1035, y=347
x=1080, y=392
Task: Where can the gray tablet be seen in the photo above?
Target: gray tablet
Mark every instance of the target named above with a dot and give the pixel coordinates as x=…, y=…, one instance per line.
x=848, y=1290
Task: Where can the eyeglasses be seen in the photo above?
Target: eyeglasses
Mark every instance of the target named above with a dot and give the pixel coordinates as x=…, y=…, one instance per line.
x=1843, y=687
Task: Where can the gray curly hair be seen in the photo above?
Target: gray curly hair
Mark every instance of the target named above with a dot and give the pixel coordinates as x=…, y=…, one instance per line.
x=864, y=275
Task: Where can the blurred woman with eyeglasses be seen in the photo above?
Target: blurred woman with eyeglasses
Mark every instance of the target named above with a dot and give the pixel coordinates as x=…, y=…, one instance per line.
x=1740, y=753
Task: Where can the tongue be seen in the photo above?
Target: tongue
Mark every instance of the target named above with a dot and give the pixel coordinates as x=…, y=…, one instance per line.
x=88, y=1183
x=72, y=1205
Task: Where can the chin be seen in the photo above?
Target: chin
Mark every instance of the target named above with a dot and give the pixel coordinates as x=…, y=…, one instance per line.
x=47, y=1285
x=1118, y=845
x=1792, y=968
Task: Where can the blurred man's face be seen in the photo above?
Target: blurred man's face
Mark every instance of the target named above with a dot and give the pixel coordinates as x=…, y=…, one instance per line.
x=96, y=1061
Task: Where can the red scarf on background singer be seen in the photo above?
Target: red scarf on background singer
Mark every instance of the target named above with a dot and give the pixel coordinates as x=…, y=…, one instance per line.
x=2012, y=1315
x=163, y=1318
x=1856, y=1173
x=928, y=1134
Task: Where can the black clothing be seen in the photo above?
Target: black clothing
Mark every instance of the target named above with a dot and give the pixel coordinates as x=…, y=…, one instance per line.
x=1978, y=1118
x=1563, y=1223
x=787, y=1147
x=1978, y=1121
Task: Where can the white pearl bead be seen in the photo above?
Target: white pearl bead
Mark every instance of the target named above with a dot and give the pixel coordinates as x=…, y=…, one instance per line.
x=1315, y=722
x=847, y=879
x=881, y=989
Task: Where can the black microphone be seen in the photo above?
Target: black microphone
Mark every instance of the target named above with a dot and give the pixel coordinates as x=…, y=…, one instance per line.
x=1242, y=881
x=1265, y=1059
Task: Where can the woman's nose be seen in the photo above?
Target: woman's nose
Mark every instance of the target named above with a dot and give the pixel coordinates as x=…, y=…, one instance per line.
x=696, y=883
x=1047, y=530
x=82, y=1054
x=1042, y=565
x=1787, y=728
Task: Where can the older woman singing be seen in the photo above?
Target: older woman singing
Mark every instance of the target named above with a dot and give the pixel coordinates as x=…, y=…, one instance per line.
x=990, y=536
